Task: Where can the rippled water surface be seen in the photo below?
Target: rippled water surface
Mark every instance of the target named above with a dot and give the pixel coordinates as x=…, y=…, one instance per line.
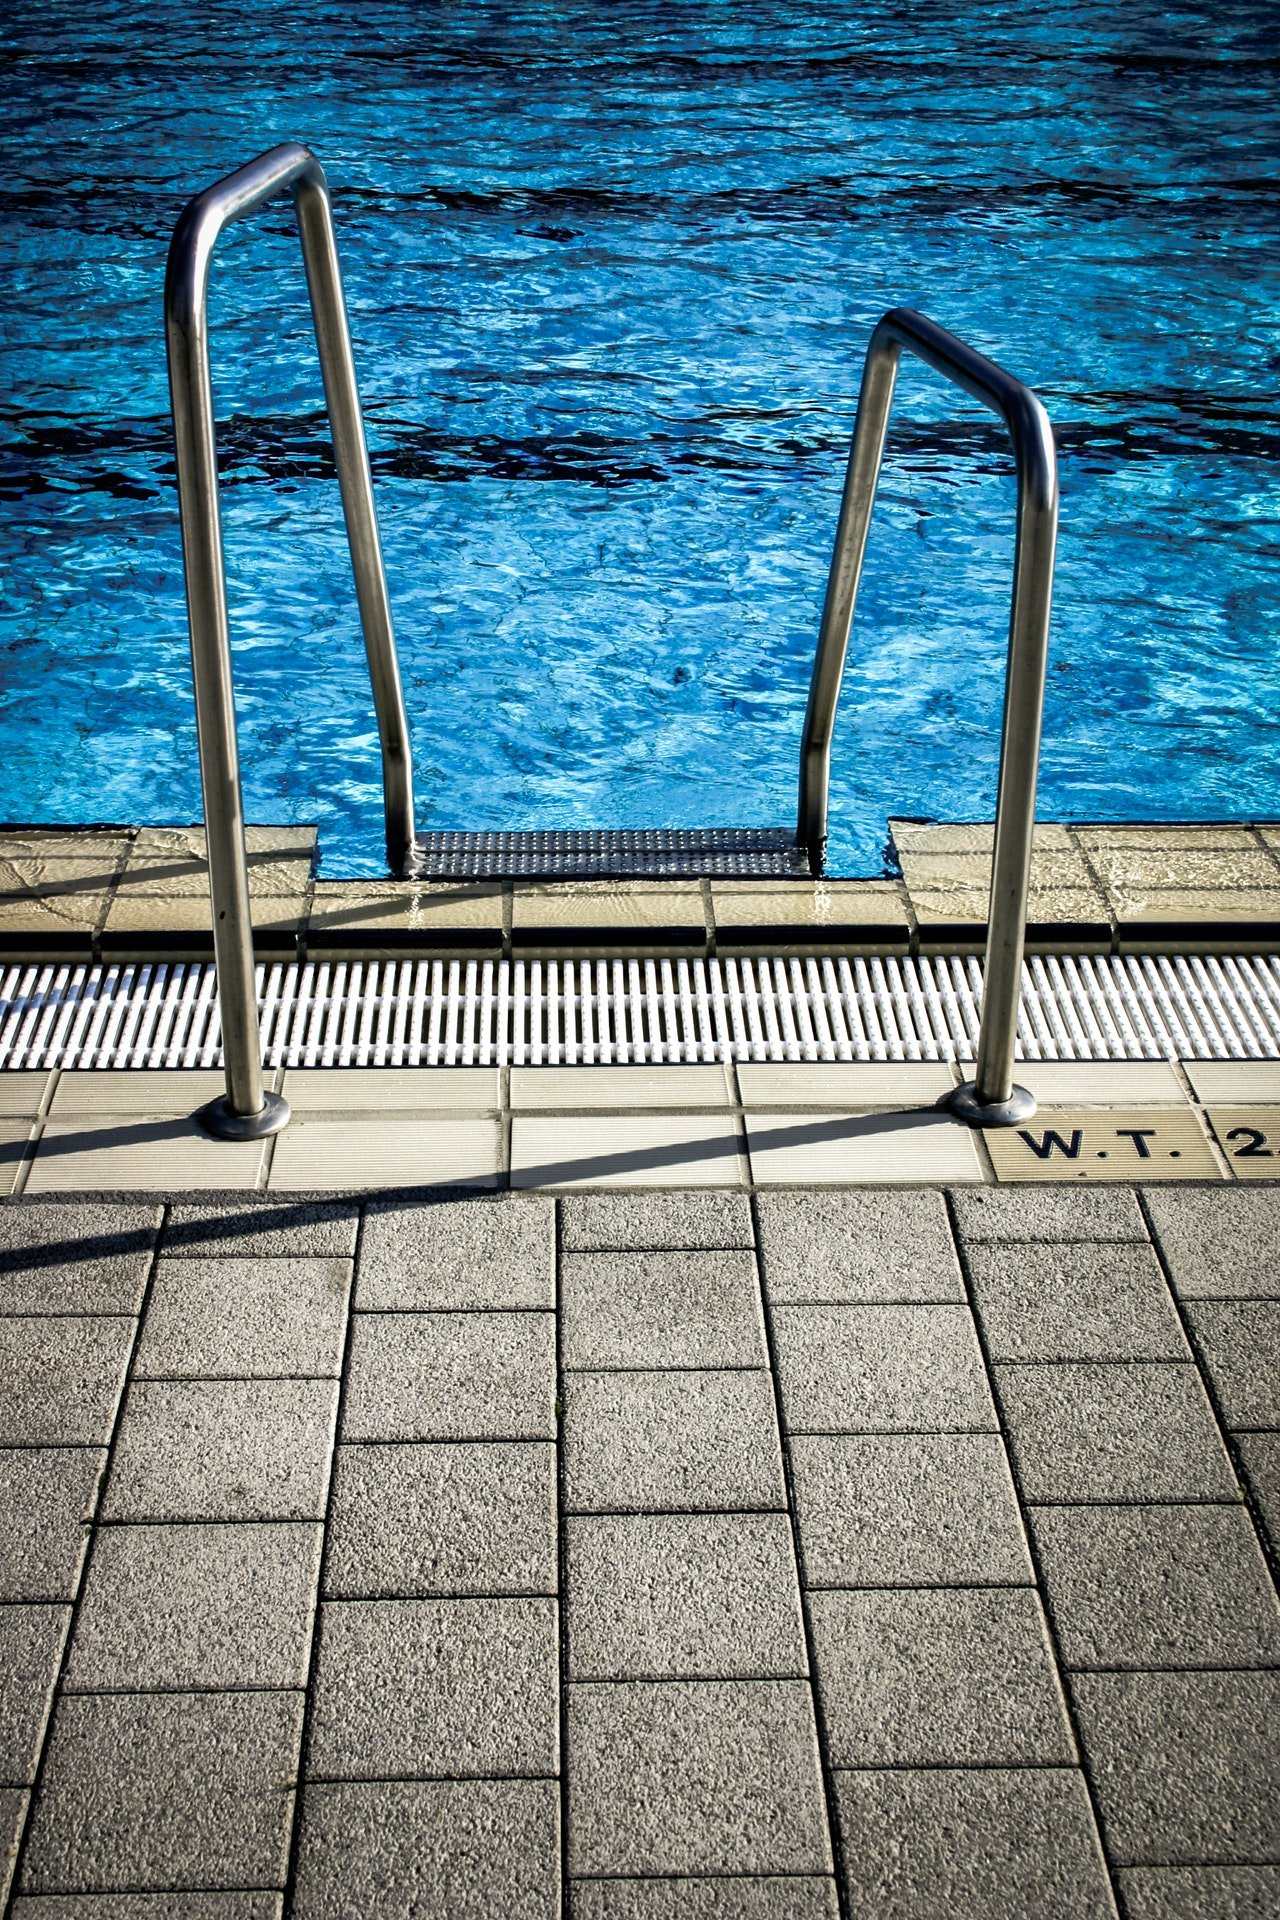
x=611, y=270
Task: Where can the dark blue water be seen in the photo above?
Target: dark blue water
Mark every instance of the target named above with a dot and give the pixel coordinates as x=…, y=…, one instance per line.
x=611, y=271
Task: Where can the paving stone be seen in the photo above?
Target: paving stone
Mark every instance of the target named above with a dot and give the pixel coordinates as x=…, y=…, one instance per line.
x=1119, y=1431
x=416, y=1689
x=638, y=1222
x=459, y=1253
x=204, y=1800
x=907, y=1510
x=259, y=1228
x=47, y=1499
x=687, y=1309
x=793, y=1898
x=13, y=1811
x=1219, y=1245
x=936, y=1844
x=437, y=1849
x=451, y=1376
x=938, y=1677
x=75, y=1259
x=695, y=1776
x=1260, y=1453
x=223, y=1450
x=683, y=1596
x=30, y=1653
x=1239, y=1342
x=245, y=1319
x=1048, y=1213
x=670, y=1442
x=1163, y=1586
x=865, y=1245
x=443, y=1518
x=151, y=1906
x=1063, y=1302
x=196, y=1606
x=60, y=1380
x=1200, y=1893
x=1185, y=1766
x=880, y=1369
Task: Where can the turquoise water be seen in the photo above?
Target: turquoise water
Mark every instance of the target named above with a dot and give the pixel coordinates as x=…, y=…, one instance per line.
x=611, y=270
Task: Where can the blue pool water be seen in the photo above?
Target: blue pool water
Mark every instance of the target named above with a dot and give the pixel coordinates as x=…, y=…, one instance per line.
x=611, y=270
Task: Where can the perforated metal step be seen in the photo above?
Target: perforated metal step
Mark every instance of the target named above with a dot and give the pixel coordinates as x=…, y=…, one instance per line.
x=636, y=853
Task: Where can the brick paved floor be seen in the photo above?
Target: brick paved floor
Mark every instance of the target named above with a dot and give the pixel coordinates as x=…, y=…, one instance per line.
x=894, y=1554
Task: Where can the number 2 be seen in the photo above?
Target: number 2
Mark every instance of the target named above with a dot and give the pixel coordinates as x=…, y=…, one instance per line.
x=1256, y=1149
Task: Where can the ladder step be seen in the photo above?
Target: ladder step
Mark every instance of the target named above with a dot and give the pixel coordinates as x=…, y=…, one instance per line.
x=624, y=852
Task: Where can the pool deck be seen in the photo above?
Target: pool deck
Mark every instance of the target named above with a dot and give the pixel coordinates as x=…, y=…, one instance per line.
x=635, y=1492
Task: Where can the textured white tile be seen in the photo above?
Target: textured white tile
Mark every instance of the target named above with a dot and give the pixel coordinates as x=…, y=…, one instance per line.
x=1254, y=1081
x=570, y=1089
x=21, y=1093
x=847, y=1085
x=161, y=1094
x=625, y=1150
x=393, y=1089
x=132, y=1152
x=386, y=1150
x=859, y=1149
x=1127, y=1083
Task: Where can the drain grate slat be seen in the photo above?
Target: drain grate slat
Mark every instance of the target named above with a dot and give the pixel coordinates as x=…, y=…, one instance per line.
x=641, y=1012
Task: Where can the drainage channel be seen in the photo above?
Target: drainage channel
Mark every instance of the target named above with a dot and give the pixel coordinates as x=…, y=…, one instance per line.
x=642, y=1012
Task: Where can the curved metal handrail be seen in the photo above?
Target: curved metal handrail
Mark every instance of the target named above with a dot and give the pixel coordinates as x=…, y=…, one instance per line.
x=246, y=1110
x=992, y=1098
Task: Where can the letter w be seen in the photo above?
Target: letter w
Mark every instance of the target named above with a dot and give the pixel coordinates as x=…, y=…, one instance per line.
x=1043, y=1149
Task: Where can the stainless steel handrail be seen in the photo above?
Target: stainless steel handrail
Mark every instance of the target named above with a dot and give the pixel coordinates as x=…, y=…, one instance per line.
x=991, y=1098
x=247, y=1111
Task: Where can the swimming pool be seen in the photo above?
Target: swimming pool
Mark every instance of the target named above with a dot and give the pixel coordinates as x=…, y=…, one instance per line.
x=611, y=271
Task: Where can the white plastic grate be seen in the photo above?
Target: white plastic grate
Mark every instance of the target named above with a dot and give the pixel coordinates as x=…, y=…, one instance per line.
x=641, y=1012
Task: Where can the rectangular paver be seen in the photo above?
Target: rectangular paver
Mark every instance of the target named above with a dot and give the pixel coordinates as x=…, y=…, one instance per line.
x=1260, y=1453
x=75, y=1259
x=60, y=1379
x=1049, y=1213
x=458, y=1253
x=604, y=1222
x=451, y=1376
x=1239, y=1343
x=1064, y=1302
x=865, y=1245
x=675, y=1442
x=245, y=1319
x=874, y=1369
x=1123, y=1431
x=31, y=1640
x=47, y=1498
x=1219, y=1245
x=260, y=1228
x=697, y=1309
x=762, y=1897
x=1187, y=1893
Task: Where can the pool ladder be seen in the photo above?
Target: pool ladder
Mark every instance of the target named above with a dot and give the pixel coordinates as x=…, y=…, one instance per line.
x=249, y=1110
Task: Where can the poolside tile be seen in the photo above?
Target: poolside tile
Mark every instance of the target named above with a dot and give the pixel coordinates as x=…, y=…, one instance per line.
x=625, y=1150
x=172, y=1093
x=810, y=915
x=380, y=919
x=1232, y=1081
x=1123, y=1144
x=590, y=914
x=846, y=1085
x=348, y=1090
x=22, y=1094
x=127, y=1153
x=859, y=1149
x=162, y=898
x=54, y=889
x=1106, y=1083
x=616, y=1089
x=386, y=1150
x=14, y=1135
x=1250, y=1139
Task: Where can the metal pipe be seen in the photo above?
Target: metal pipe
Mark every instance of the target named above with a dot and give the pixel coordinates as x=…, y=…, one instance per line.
x=247, y=1110
x=991, y=1098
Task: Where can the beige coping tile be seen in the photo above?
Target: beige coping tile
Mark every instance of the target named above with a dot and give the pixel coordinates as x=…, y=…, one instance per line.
x=54, y=887
x=810, y=913
x=160, y=1095
x=1271, y=835
x=626, y=1150
x=21, y=1093
x=847, y=1085
x=1167, y=837
x=1124, y=1143
x=1101, y=1083
x=1232, y=1081
x=134, y=1152
x=584, y=913
x=404, y=1090
x=387, y=916
x=938, y=908
x=1131, y=870
x=14, y=1135
x=933, y=836
x=1135, y=907
x=164, y=889
x=1250, y=1138
x=617, y=1089
x=860, y=1149
x=386, y=1150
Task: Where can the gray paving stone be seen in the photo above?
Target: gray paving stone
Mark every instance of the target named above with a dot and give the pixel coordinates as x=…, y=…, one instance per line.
x=695, y=1776
x=245, y=1319
x=867, y=1244
x=775, y=1898
x=1185, y=1766
x=1239, y=1342
x=981, y=1842
x=422, y=1689
x=436, y=1850
x=907, y=1510
x=1201, y=1893
x=670, y=1442
x=683, y=1596
x=30, y=1653
x=880, y=1369
x=75, y=1257
x=47, y=1498
x=1260, y=1453
x=205, y=1799
x=266, y=1228
x=1163, y=1586
x=1123, y=1431
x=459, y=1253
x=451, y=1376
x=1066, y=1302
x=60, y=1380
x=443, y=1518
x=151, y=1906
x=635, y=1222
x=13, y=1811
x=662, y=1310
x=1037, y=1214
x=223, y=1450
x=196, y=1606
x=938, y=1677
x=1219, y=1243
